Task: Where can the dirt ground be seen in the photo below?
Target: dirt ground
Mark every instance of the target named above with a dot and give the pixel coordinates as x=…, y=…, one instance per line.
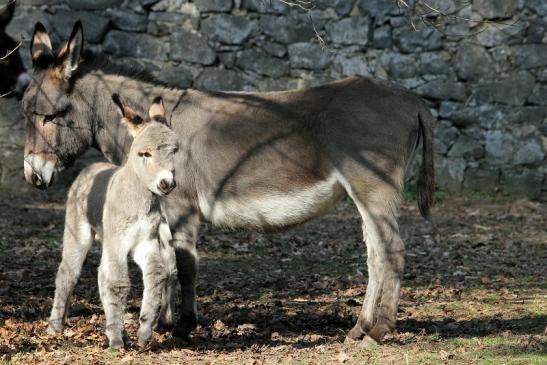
x=474, y=290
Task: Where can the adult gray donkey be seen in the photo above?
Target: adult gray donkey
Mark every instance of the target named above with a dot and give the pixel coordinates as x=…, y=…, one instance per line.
x=261, y=161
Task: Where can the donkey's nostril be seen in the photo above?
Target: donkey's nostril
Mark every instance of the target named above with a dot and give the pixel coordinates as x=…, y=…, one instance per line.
x=36, y=180
x=164, y=184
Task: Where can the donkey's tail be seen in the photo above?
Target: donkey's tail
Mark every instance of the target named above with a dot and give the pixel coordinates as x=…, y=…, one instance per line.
x=426, y=175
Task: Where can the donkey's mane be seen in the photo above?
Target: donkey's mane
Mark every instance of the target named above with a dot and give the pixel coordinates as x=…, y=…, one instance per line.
x=101, y=62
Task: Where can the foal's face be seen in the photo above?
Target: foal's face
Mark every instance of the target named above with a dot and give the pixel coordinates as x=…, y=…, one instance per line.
x=152, y=153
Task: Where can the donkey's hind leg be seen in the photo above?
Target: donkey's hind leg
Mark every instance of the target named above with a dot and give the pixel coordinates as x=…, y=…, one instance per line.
x=168, y=297
x=154, y=276
x=377, y=204
x=77, y=240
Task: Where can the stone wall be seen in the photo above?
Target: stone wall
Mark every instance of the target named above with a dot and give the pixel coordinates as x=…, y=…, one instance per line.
x=488, y=89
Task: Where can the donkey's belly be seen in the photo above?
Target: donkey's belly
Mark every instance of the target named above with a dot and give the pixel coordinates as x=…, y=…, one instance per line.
x=272, y=210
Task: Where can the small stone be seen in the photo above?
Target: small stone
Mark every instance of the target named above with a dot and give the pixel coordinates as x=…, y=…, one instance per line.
x=287, y=29
x=443, y=88
x=445, y=135
x=352, y=65
x=466, y=147
x=434, y=63
x=409, y=41
x=95, y=25
x=176, y=76
x=513, y=89
x=192, y=47
x=129, y=21
x=280, y=84
x=499, y=146
x=95, y=4
x=382, y=37
x=379, y=9
x=214, y=5
x=537, y=6
x=228, y=29
x=449, y=173
x=215, y=79
x=160, y=24
x=275, y=49
x=342, y=7
x=528, y=151
x=501, y=34
x=399, y=66
x=473, y=62
x=274, y=7
x=309, y=56
x=539, y=95
x=491, y=9
x=352, y=30
x=529, y=56
x=262, y=64
x=136, y=45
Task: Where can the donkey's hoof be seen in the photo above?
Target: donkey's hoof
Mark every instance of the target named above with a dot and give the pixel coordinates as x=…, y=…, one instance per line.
x=116, y=343
x=54, y=328
x=164, y=325
x=185, y=327
x=367, y=342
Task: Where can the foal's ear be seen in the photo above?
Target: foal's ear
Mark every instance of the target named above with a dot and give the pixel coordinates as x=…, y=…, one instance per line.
x=157, y=109
x=69, y=56
x=40, y=46
x=130, y=118
x=6, y=14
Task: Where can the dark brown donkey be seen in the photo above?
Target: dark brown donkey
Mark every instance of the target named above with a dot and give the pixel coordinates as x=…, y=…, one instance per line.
x=261, y=161
x=13, y=79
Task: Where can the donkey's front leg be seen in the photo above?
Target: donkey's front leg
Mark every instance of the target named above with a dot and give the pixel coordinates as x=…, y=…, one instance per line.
x=114, y=288
x=154, y=276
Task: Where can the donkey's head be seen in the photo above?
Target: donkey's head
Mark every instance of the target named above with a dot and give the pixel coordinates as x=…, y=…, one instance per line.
x=55, y=136
x=154, y=146
x=13, y=78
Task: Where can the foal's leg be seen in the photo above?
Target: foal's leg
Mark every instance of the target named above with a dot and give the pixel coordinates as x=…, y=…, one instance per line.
x=77, y=240
x=114, y=287
x=154, y=276
x=386, y=259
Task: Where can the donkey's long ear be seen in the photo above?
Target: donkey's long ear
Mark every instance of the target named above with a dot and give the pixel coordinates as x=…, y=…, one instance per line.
x=6, y=13
x=157, y=109
x=40, y=46
x=69, y=56
x=130, y=118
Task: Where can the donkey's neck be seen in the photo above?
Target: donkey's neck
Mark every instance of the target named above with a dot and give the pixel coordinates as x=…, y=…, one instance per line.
x=95, y=89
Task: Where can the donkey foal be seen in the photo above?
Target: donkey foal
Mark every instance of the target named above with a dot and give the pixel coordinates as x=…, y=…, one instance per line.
x=121, y=205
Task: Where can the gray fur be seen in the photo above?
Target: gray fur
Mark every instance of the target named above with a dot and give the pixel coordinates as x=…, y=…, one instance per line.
x=262, y=161
x=120, y=204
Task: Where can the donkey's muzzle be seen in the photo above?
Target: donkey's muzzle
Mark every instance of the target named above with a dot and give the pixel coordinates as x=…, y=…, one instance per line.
x=166, y=186
x=39, y=172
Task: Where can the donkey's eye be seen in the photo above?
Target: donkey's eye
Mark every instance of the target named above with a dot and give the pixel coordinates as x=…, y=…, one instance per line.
x=145, y=154
x=49, y=118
